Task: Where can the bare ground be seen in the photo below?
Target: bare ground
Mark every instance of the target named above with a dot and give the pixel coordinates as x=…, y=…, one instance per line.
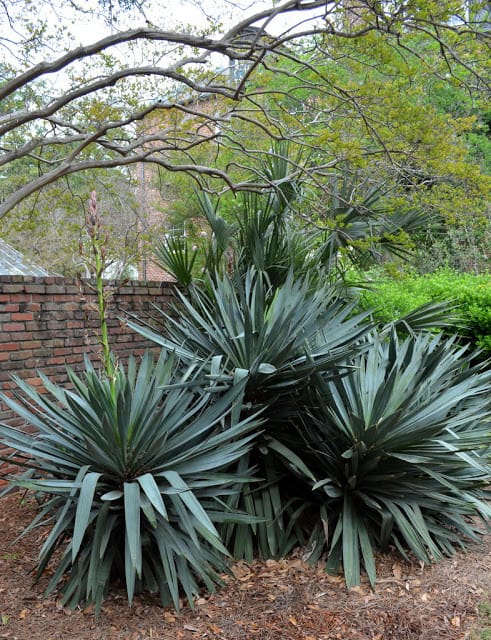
x=285, y=600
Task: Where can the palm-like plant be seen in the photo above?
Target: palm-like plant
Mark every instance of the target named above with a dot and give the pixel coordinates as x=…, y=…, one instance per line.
x=400, y=448
x=135, y=474
x=174, y=255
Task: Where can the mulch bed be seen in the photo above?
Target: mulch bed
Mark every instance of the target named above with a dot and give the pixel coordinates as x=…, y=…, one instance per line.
x=284, y=600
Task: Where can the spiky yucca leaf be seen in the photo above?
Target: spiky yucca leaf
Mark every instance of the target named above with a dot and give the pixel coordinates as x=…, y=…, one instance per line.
x=400, y=445
x=136, y=477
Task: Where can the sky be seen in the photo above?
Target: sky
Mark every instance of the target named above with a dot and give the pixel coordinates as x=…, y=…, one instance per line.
x=187, y=15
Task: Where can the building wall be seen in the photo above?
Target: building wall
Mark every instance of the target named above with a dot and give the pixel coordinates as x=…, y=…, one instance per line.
x=192, y=121
x=48, y=323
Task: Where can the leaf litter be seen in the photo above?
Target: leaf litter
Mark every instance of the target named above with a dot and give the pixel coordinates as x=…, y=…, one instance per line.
x=266, y=600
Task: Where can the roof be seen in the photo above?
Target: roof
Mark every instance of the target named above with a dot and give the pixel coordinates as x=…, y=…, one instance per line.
x=13, y=263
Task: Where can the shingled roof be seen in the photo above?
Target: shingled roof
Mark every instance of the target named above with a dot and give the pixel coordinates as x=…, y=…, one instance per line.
x=13, y=263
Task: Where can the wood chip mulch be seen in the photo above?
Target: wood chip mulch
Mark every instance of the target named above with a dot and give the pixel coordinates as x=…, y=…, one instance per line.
x=272, y=600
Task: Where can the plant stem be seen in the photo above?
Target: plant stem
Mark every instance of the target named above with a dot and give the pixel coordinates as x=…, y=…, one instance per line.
x=98, y=243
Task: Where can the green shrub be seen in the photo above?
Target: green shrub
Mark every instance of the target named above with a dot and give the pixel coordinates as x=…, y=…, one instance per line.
x=400, y=448
x=135, y=474
x=393, y=298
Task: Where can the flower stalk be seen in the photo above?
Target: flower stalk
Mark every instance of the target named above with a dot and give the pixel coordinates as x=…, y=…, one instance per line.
x=98, y=240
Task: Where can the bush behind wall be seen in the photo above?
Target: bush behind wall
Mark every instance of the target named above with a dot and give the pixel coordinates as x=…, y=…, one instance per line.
x=392, y=298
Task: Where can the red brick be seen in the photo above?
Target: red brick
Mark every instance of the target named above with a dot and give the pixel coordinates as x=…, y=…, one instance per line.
x=12, y=326
x=12, y=287
x=10, y=346
x=17, y=297
x=19, y=317
x=74, y=324
x=31, y=344
x=57, y=360
x=34, y=306
x=36, y=288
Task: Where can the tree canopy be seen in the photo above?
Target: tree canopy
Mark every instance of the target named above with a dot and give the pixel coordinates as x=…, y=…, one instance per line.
x=355, y=86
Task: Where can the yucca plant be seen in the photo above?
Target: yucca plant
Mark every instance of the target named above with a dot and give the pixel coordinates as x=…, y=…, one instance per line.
x=399, y=447
x=135, y=470
x=273, y=337
x=273, y=341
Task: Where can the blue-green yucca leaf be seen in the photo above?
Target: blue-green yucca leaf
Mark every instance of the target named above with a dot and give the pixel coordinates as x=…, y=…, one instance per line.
x=189, y=499
x=132, y=507
x=84, y=510
x=351, y=550
x=175, y=256
x=152, y=491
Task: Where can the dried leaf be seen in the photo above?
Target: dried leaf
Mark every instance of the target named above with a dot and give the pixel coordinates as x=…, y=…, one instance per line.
x=455, y=621
x=397, y=570
x=169, y=617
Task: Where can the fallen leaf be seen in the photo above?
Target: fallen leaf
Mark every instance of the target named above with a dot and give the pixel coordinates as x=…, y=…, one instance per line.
x=455, y=621
x=168, y=617
x=292, y=620
x=241, y=570
x=274, y=563
x=23, y=614
x=190, y=627
x=357, y=589
x=397, y=570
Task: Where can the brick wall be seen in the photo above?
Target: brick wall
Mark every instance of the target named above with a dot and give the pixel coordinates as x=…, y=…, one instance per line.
x=49, y=323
